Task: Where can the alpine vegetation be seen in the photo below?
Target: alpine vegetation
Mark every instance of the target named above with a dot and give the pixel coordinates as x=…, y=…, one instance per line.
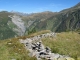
x=37, y=48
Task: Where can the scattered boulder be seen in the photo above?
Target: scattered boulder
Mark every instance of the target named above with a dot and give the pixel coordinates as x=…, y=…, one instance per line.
x=13, y=59
x=62, y=58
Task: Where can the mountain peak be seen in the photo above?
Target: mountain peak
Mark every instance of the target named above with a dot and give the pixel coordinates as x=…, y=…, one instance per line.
x=77, y=5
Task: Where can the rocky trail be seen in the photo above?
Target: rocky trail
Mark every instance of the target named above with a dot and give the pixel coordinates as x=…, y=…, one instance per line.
x=37, y=48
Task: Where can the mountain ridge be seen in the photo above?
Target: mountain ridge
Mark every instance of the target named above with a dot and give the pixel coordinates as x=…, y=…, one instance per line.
x=65, y=20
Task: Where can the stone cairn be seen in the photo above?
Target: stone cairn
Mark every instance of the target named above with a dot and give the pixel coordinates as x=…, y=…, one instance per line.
x=37, y=49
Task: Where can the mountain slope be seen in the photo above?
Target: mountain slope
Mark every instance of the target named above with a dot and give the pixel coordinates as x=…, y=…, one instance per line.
x=66, y=20
x=32, y=20
x=5, y=31
x=13, y=24
x=70, y=21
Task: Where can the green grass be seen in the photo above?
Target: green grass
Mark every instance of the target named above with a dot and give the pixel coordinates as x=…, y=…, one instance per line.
x=11, y=25
x=15, y=50
x=35, y=34
x=66, y=43
x=40, y=32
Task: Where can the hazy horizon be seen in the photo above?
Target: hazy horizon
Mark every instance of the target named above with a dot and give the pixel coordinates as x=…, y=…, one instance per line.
x=34, y=6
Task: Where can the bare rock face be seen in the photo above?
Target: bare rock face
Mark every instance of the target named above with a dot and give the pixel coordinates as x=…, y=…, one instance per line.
x=20, y=27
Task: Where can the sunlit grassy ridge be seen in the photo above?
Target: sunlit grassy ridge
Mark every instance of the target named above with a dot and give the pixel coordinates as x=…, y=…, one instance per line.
x=40, y=32
x=12, y=49
x=35, y=34
x=66, y=43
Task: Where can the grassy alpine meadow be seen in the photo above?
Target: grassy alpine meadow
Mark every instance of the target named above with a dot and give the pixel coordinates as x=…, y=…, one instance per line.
x=65, y=43
x=35, y=34
x=12, y=49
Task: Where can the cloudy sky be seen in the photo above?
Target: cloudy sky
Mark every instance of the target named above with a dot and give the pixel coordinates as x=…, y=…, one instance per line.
x=29, y=6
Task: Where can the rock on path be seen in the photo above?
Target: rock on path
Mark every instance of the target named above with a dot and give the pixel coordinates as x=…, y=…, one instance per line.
x=38, y=50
